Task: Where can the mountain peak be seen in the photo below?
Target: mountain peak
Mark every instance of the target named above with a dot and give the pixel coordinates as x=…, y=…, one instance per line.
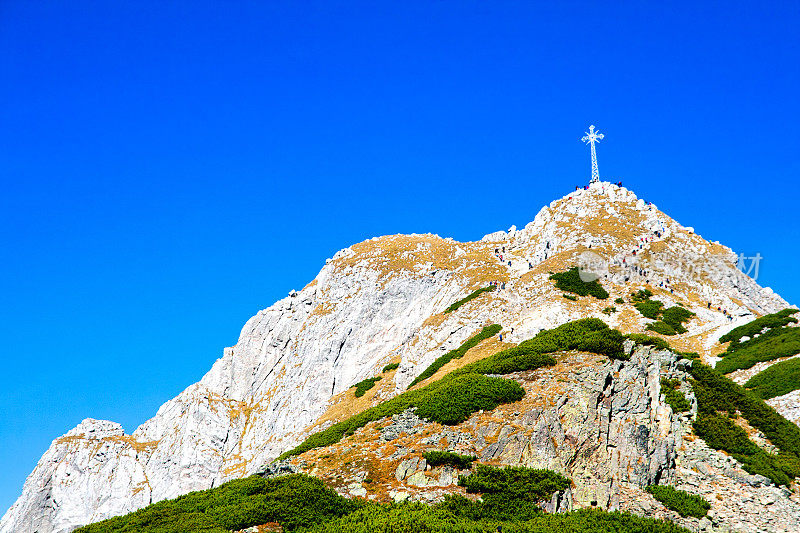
x=380, y=302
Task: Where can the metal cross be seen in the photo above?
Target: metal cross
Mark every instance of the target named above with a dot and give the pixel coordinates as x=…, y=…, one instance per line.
x=592, y=137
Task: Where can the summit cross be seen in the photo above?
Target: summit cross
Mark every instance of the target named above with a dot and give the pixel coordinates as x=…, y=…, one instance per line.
x=592, y=137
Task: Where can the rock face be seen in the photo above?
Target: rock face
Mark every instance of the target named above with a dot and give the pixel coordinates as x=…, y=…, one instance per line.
x=607, y=429
x=381, y=301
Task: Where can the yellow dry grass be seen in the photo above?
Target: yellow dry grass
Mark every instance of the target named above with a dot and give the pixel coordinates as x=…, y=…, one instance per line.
x=325, y=308
x=483, y=349
x=365, y=452
x=138, y=446
x=395, y=254
x=345, y=404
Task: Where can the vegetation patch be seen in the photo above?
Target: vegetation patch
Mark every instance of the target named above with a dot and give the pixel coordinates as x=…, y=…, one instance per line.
x=681, y=502
x=650, y=308
x=777, y=380
x=511, y=499
x=661, y=327
x=668, y=321
x=453, y=398
x=293, y=501
x=673, y=396
x=418, y=517
x=610, y=310
x=774, y=344
x=438, y=458
x=571, y=281
x=647, y=340
x=588, y=335
x=570, y=297
x=754, y=327
x=469, y=297
x=675, y=316
x=719, y=400
x=364, y=386
x=458, y=353
x=390, y=366
x=447, y=401
x=641, y=295
x=511, y=493
x=619, y=301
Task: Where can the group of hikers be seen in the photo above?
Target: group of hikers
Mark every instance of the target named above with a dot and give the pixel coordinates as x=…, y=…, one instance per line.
x=498, y=253
x=586, y=187
x=634, y=269
x=498, y=284
x=724, y=311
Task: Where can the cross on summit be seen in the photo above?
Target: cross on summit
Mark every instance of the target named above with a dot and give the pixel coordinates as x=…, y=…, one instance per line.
x=592, y=137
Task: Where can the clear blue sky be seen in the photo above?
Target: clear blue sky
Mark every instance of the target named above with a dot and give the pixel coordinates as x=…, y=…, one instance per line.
x=169, y=168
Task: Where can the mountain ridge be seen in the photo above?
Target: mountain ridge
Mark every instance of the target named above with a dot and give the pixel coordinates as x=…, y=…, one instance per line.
x=377, y=302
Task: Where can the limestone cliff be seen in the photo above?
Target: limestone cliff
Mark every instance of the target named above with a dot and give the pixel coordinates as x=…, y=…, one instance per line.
x=382, y=301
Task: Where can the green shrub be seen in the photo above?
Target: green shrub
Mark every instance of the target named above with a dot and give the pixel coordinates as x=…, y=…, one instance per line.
x=293, y=501
x=588, y=334
x=609, y=310
x=514, y=481
x=571, y=281
x=669, y=321
x=650, y=308
x=303, y=504
x=365, y=385
x=461, y=462
x=619, y=301
x=661, y=327
x=454, y=397
x=777, y=380
x=675, y=316
x=511, y=493
x=390, y=366
x=647, y=340
x=458, y=353
x=673, y=396
x=681, y=502
x=641, y=295
x=774, y=320
x=718, y=399
x=570, y=297
x=450, y=400
x=421, y=518
x=469, y=297
x=774, y=344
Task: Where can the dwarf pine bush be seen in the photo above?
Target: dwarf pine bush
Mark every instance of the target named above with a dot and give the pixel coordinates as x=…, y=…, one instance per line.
x=681, y=502
x=469, y=297
x=571, y=281
x=363, y=386
x=719, y=399
x=458, y=353
x=453, y=398
x=754, y=327
x=293, y=501
x=674, y=397
x=438, y=458
x=777, y=380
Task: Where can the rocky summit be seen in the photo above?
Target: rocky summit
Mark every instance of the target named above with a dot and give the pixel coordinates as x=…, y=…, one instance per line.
x=398, y=313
